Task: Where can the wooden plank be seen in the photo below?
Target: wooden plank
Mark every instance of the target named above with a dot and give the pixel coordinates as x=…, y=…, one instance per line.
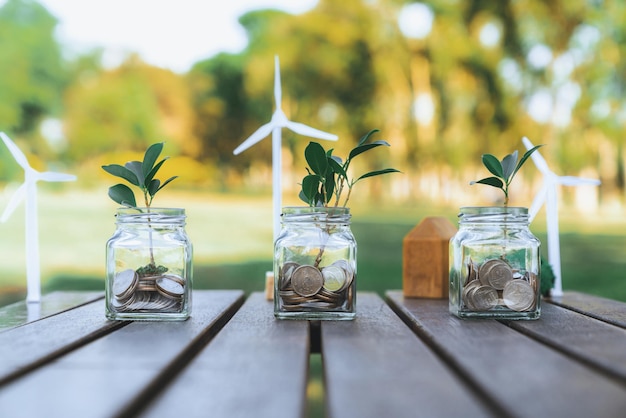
x=20, y=313
x=115, y=374
x=523, y=377
x=594, y=342
x=256, y=367
x=375, y=367
x=611, y=311
x=29, y=346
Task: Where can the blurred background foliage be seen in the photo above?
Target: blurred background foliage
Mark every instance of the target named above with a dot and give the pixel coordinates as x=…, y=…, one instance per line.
x=444, y=80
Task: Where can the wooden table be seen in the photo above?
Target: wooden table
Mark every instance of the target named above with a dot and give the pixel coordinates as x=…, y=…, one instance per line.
x=399, y=358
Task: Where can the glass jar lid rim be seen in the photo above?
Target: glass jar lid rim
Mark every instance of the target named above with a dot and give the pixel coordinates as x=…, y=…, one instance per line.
x=155, y=215
x=144, y=210
x=315, y=209
x=495, y=210
x=314, y=213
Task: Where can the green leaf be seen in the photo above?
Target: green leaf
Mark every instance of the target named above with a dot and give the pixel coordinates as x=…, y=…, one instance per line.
x=120, y=171
x=154, y=170
x=153, y=187
x=150, y=157
x=365, y=137
x=316, y=158
x=310, y=184
x=362, y=148
x=493, y=165
x=335, y=165
x=123, y=195
x=166, y=182
x=525, y=157
x=377, y=173
x=135, y=167
x=508, y=165
x=329, y=185
x=338, y=160
x=304, y=198
x=490, y=181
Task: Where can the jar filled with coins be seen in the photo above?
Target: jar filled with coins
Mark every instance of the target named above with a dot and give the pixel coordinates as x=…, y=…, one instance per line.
x=315, y=265
x=494, y=265
x=149, y=266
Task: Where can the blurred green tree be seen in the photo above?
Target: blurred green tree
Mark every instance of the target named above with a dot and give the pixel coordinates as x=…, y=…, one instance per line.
x=31, y=66
x=222, y=109
x=128, y=108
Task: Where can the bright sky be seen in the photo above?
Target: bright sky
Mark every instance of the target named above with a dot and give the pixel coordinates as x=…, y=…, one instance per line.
x=168, y=33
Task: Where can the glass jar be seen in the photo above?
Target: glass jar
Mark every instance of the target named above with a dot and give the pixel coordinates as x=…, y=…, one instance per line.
x=315, y=265
x=494, y=265
x=149, y=266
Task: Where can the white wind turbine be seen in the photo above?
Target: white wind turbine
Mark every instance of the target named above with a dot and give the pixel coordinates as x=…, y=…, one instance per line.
x=548, y=194
x=274, y=126
x=28, y=191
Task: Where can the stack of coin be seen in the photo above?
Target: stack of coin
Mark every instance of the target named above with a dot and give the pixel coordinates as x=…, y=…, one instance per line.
x=312, y=288
x=133, y=292
x=495, y=284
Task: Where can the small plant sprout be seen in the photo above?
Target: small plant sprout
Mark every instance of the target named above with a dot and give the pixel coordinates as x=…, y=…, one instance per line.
x=328, y=175
x=503, y=171
x=140, y=174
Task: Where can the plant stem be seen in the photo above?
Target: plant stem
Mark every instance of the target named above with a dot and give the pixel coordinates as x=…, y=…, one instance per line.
x=318, y=259
x=345, y=204
x=339, y=191
x=145, y=196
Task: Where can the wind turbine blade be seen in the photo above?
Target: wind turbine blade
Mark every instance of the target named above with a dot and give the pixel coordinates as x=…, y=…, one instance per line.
x=577, y=181
x=16, y=199
x=536, y=157
x=15, y=151
x=50, y=176
x=305, y=130
x=538, y=201
x=258, y=135
x=278, y=97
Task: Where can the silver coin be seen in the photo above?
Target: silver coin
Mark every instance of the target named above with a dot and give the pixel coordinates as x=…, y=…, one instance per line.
x=495, y=273
x=335, y=278
x=350, y=272
x=472, y=272
x=484, y=298
x=307, y=280
x=286, y=272
x=346, y=265
x=288, y=268
x=170, y=287
x=466, y=290
x=124, y=283
x=518, y=295
x=121, y=305
x=146, y=286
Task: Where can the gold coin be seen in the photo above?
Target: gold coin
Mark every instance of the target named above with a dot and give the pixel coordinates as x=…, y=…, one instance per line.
x=307, y=280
